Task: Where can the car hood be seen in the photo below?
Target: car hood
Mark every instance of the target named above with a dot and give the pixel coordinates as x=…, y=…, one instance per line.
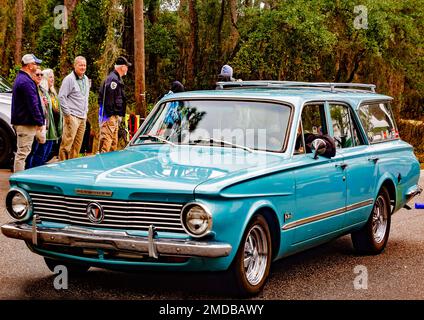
x=148, y=169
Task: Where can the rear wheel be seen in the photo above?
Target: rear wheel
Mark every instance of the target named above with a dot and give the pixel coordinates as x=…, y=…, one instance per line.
x=252, y=262
x=373, y=237
x=73, y=268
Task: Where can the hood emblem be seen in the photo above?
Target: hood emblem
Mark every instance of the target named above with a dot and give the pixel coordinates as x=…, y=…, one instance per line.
x=95, y=212
x=94, y=192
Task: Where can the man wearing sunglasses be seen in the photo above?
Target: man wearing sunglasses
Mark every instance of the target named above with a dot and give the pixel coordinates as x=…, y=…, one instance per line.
x=27, y=113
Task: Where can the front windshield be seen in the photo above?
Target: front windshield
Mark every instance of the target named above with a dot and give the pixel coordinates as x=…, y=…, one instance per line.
x=5, y=86
x=255, y=125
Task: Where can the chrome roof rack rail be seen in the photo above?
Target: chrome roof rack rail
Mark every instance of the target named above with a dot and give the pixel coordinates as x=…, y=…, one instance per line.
x=332, y=86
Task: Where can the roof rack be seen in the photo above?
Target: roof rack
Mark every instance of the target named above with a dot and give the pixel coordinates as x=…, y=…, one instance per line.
x=332, y=86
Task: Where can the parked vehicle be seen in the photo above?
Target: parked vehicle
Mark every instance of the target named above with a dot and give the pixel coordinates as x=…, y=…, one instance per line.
x=7, y=134
x=225, y=180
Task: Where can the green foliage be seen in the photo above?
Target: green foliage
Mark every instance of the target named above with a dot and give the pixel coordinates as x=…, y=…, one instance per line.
x=287, y=40
x=285, y=43
x=13, y=72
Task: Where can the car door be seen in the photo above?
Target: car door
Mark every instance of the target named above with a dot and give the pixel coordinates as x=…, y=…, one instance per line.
x=359, y=162
x=320, y=184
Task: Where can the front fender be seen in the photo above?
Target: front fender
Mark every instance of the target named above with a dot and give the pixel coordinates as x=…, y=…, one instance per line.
x=236, y=205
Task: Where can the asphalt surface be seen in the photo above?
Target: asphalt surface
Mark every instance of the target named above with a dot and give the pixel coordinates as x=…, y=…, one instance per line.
x=323, y=273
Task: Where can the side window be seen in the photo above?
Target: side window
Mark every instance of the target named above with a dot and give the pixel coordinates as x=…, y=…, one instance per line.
x=346, y=133
x=313, y=119
x=313, y=122
x=378, y=122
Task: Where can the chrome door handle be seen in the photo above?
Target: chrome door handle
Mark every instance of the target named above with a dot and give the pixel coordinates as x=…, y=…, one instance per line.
x=342, y=165
x=374, y=159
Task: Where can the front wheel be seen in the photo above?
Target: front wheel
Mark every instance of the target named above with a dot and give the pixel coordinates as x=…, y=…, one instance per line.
x=252, y=262
x=373, y=237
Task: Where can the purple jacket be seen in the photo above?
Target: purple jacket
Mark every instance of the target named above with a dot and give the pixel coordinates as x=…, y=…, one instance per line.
x=26, y=103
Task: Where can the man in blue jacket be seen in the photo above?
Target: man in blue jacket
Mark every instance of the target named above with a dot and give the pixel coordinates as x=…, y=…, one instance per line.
x=27, y=112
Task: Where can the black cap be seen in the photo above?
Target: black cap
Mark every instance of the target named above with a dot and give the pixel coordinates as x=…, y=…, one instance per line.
x=121, y=61
x=177, y=87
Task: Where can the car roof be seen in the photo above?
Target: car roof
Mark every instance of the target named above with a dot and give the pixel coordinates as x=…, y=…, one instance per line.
x=295, y=96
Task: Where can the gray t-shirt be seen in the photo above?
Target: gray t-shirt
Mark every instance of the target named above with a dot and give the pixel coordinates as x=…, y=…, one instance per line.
x=73, y=95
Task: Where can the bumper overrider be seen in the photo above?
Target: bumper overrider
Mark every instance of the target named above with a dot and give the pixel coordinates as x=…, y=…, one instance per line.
x=115, y=241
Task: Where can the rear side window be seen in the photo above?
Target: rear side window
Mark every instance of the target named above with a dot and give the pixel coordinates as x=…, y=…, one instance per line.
x=378, y=122
x=345, y=131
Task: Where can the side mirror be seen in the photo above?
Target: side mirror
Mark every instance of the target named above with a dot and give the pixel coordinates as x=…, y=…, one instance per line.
x=319, y=146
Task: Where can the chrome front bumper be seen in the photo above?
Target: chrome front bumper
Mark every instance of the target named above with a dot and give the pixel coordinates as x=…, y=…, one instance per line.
x=115, y=241
x=413, y=191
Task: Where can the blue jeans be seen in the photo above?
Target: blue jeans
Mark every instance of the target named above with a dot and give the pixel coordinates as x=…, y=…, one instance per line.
x=40, y=154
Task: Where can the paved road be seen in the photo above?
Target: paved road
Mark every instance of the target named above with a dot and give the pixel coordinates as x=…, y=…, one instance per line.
x=326, y=272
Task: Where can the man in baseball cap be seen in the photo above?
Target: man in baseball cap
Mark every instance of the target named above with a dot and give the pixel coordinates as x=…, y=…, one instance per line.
x=112, y=105
x=122, y=61
x=30, y=58
x=27, y=112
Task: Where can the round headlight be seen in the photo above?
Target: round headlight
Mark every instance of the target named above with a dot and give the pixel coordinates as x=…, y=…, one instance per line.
x=196, y=220
x=18, y=204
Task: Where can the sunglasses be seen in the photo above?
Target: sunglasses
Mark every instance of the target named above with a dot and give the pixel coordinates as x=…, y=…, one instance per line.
x=39, y=74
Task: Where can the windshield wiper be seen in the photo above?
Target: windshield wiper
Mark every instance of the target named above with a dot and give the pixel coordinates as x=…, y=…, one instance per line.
x=150, y=136
x=223, y=142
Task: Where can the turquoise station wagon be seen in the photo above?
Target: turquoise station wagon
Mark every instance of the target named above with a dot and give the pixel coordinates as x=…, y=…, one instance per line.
x=225, y=180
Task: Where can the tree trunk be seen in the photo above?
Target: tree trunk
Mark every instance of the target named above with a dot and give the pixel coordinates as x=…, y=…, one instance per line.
x=194, y=35
x=153, y=15
x=139, y=60
x=65, y=62
x=128, y=34
x=220, y=25
x=19, y=6
x=234, y=35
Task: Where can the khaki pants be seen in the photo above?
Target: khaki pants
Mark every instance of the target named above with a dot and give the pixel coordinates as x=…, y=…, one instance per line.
x=73, y=134
x=109, y=134
x=24, y=138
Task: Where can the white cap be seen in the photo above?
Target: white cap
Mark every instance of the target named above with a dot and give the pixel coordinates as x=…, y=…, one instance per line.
x=30, y=58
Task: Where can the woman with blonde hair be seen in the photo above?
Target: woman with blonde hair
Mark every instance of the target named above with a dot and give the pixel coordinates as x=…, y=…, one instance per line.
x=54, y=120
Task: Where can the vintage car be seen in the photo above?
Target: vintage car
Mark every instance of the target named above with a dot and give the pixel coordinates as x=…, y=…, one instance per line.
x=7, y=134
x=225, y=180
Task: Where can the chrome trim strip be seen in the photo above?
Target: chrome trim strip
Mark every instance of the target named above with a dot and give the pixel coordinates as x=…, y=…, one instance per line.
x=116, y=224
x=117, y=241
x=360, y=204
x=43, y=196
x=327, y=214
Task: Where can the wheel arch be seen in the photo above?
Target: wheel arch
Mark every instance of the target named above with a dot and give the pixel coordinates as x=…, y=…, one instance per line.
x=9, y=129
x=271, y=217
x=391, y=189
x=11, y=136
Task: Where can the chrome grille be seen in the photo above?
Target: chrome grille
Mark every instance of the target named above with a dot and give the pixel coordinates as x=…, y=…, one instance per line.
x=130, y=215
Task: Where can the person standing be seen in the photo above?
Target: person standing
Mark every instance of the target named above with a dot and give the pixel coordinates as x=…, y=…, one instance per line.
x=55, y=112
x=53, y=115
x=73, y=99
x=112, y=102
x=39, y=143
x=27, y=115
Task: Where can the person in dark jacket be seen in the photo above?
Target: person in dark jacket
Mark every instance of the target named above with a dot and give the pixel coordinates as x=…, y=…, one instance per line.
x=112, y=102
x=27, y=113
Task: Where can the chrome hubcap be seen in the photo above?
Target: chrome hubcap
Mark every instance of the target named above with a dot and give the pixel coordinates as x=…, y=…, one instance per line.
x=255, y=255
x=379, y=219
